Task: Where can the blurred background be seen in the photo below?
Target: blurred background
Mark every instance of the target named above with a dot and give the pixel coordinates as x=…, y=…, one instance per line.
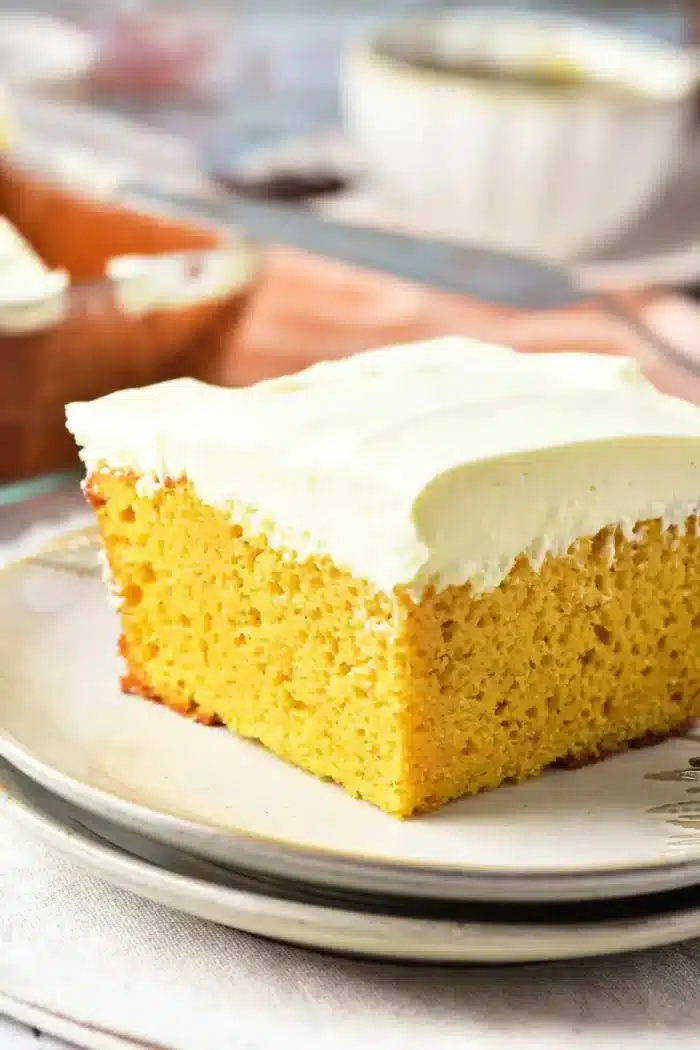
x=566, y=130
x=255, y=70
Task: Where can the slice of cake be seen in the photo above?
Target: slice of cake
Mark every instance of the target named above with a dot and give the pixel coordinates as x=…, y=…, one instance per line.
x=419, y=572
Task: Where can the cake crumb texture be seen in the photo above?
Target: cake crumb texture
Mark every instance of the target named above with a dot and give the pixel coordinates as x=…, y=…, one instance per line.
x=405, y=704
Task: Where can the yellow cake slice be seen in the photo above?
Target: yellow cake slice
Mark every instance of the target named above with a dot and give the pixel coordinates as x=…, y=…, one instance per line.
x=419, y=572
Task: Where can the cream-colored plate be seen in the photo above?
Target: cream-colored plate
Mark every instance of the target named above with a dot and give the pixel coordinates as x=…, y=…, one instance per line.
x=177, y=880
x=628, y=825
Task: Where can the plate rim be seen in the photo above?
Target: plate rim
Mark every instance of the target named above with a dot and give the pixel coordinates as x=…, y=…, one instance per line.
x=102, y=858
x=332, y=867
x=267, y=853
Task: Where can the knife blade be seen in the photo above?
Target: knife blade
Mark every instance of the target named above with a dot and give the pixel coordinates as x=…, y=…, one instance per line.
x=480, y=273
x=484, y=274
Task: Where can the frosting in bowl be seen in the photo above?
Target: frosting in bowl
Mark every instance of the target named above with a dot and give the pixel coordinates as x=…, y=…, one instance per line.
x=31, y=295
x=434, y=463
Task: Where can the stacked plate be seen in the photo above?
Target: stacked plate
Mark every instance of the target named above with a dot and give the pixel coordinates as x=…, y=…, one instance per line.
x=576, y=863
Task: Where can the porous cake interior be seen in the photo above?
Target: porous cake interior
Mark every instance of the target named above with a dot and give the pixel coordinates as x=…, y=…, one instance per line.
x=405, y=704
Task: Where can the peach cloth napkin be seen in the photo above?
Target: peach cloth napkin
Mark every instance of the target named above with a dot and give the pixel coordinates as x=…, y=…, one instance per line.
x=307, y=309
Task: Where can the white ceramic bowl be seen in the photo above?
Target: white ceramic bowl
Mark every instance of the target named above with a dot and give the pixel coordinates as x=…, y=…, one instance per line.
x=553, y=172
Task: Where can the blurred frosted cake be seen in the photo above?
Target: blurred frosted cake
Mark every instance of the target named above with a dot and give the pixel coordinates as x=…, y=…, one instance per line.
x=419, y=572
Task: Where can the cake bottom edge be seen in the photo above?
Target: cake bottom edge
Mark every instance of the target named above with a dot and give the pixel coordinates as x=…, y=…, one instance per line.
x=134, y=683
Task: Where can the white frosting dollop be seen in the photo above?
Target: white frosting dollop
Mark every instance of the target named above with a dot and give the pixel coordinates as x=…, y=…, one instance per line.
x=31, y=295
x=435, y=462
x=144, y=283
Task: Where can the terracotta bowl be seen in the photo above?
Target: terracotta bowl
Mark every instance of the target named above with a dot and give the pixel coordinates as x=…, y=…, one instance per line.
x=96, y=347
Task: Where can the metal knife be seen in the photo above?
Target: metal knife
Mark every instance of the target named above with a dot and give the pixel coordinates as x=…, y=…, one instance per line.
x=490, y=276
x=484, y=274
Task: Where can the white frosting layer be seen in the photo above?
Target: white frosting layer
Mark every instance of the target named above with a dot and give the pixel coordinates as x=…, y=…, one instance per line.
x=440, y=461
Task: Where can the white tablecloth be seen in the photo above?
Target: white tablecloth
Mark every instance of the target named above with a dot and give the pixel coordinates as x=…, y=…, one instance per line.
x=92, y=964
x=22, y=527
x=15, y=1036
